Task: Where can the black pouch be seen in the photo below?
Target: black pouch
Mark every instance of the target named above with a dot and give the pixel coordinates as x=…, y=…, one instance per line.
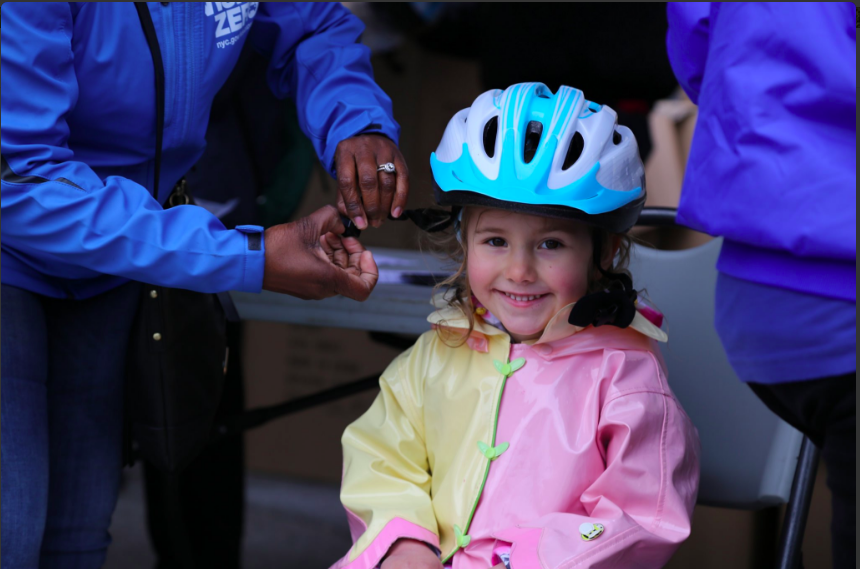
x=177, y=354
x=177, y=359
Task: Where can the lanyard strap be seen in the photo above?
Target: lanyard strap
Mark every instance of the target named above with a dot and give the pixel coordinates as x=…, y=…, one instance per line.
x=152, y=41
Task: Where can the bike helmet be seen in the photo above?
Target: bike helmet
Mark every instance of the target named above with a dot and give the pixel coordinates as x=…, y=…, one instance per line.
x=528, y=150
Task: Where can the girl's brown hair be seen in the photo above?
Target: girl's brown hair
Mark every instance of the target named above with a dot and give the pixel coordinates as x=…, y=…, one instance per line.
x=459, y=295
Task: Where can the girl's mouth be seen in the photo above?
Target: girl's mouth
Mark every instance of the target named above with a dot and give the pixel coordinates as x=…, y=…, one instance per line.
x=521, y=299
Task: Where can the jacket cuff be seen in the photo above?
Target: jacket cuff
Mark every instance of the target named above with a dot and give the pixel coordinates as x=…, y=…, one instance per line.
x=397, y=528
x=254, y=260
x=364, y=123
x=436, y=551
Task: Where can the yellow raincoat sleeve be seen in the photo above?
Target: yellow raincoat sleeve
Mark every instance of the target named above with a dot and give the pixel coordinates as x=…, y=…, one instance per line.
x=386, y=474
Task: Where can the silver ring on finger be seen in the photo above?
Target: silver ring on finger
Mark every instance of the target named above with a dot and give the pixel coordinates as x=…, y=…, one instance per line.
x=388, y=168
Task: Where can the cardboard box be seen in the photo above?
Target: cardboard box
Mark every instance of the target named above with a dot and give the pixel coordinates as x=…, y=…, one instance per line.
x=284, y=362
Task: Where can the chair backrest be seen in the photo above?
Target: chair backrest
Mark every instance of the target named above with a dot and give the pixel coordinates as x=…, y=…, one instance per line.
x=748, y=453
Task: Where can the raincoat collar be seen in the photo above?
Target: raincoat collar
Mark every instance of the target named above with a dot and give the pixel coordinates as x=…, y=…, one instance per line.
x=558, y=328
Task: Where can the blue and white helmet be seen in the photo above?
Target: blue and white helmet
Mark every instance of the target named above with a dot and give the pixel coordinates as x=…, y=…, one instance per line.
x=529, y=150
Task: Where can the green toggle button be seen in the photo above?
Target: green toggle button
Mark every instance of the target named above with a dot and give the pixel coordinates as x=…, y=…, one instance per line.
x=508, y=369
x=462, y=539
x=492, y=452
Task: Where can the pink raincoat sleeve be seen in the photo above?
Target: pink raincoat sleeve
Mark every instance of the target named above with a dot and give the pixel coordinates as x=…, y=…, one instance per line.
x=644, y=498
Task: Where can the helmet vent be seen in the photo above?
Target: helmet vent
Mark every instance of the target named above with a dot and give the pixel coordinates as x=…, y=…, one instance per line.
x=616, y=137
x=490, y=130
x=574, y=151
x=533, y=132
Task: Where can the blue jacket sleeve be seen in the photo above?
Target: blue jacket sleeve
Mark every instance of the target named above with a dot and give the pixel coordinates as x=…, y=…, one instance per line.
x=687, y=43
x=54, y=207
x=316, y=58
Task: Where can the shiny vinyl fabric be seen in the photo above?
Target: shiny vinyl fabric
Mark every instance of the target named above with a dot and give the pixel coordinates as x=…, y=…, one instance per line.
x=473, y=454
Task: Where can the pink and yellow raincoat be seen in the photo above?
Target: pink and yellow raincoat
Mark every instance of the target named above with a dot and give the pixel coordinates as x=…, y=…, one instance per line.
x=568, y=452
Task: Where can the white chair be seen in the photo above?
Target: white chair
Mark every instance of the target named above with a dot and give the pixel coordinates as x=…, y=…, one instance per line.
x=749, y=456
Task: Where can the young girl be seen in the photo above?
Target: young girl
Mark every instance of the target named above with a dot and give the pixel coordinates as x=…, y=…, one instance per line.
x=534, y=427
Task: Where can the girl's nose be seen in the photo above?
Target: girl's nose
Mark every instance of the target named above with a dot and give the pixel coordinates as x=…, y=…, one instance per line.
x=520, y=268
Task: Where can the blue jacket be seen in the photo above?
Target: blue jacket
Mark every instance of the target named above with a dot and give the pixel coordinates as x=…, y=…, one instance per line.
x=78, y=133
x=773, y=164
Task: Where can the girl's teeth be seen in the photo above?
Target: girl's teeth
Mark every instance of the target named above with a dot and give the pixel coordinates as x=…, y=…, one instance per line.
x=524, y=298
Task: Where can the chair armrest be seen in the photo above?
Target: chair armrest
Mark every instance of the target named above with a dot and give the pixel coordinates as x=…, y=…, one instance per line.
x=657, y=217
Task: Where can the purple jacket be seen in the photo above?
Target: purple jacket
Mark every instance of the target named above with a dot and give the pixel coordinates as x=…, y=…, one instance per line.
x=773, y=163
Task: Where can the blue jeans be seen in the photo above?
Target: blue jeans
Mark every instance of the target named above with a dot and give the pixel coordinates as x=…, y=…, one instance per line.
x=62, y=400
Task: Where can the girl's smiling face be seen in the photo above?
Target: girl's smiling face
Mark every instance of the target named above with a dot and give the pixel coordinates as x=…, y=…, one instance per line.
x=525, y=268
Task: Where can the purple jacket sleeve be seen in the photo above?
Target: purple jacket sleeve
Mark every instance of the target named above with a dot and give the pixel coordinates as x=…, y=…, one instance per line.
x=687, y=43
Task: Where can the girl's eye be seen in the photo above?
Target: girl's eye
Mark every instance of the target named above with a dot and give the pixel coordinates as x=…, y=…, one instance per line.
x=550, y=244
x=496, y=242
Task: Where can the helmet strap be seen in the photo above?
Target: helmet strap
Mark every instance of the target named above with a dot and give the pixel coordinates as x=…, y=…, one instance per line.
x=429, y=219
x=457, y=216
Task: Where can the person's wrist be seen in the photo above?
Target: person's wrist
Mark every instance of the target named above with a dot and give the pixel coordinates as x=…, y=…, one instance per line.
x=374, y=133
x=405, y=546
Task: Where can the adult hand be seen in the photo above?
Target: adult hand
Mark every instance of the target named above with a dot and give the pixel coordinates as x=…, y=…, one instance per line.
x=410, y=554
x=308, y=258
x=365, y=195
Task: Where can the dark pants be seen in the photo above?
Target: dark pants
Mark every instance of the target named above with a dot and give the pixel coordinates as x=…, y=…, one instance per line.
x=825, y=411
x=63, y=369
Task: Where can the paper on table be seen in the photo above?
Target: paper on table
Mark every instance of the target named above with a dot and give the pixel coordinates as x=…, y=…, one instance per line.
x=417, y=278
x=383, y=260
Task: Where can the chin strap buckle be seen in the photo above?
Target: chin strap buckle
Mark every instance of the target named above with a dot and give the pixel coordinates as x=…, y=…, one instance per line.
x=427, y=219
